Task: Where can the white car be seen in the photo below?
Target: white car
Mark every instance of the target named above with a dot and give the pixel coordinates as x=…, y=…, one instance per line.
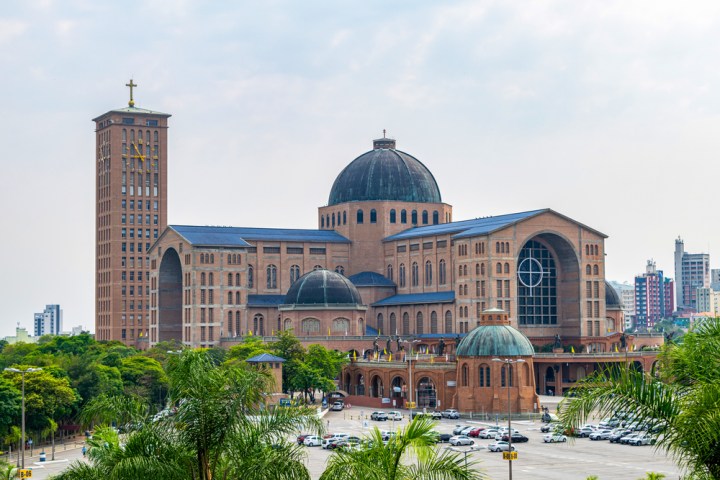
x=500, y=446
x=489, y=433
x=601, y=434
x=461, y=440
x=312, y=441
x=336, y=437
x=450, y=413
x=554, y=438
x=394, y=415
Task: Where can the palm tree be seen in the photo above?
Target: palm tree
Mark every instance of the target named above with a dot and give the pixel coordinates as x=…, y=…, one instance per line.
x=683, y=399
x=391, y=461
x=8, y=471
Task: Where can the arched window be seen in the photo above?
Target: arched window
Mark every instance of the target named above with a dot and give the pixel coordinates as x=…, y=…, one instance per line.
x=507, y=268
x=322, y=221
x=340, y=269
x=597, y=250
x=587, y=249
x=341, y=325
x=442, y=275
x=428, y=273
x=448, y=322
x=310, y=325
x=271, y=273
x=401, y=275
x=414, y=217
x=380, y=324
x=211, y=279
x=317, y=267
x=482, y=269
x=259, y=325
x=250, y=277
x=436, y=218
x=403, y=216
x=595, y=270
x=497, y=247
x=212, y=258
x=237, y=323
x=333, y=219
x=237, y=298
x=419, y=324
x=425, y=217
x=415, y=274
x=459, y=270
x=287, y=324
x=237, y=279
x=393, y=216
x=406, y=324
x=465, y=267
x=433, y=322
x=359, y=216
x=230, y=298
x=498, y=268
x=588, y=270
x=484, y=375
x=460, y=312
x=229, y=324
x=390, y=272
x=327, y=220
x=393, y=325
x=373, y=216
x=230, y=278
x=202, y=279
x=294, y=274
x=477, y=267
x=465, y=375
x=344, y=218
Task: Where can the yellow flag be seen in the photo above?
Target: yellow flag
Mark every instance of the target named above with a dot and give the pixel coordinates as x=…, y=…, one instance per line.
x=380, y=332
x=249, y=333
x=354, y=355
x=432, y=359
x=390, y=358
x=616, y=349
x=572, y=349
x=384, y=351
x=328, y=331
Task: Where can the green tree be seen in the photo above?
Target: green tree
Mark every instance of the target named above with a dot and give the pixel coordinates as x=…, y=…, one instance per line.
x=683, y=399
x=10, y=403
x=123, y=410
x=288, y=347
x=249, y=347
x=144, y=377
x=410, y=455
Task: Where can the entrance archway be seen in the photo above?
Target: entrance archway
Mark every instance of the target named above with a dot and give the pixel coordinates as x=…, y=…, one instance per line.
x=376, y=387
x=426, y=393
x=398, y=384
x=170, y=297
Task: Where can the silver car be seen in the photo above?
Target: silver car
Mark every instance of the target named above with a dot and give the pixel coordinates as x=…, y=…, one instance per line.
x=461, y=440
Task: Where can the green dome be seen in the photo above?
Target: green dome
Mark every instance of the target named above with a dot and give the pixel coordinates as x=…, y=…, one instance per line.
x=495, y=341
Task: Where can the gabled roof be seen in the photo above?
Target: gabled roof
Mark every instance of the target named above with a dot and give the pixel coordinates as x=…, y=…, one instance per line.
x=265, y=300
x=265, y=357
x=240, y=236
x=416, y=298
x=477, y=226
x=371, y=279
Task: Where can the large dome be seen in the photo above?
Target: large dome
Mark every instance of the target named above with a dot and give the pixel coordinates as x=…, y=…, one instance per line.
x=612, y=299
x=385, y=173
x=495, y=341
x=322, y=288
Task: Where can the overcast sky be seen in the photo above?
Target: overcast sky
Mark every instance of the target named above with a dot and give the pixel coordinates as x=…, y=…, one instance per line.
x=607, y=112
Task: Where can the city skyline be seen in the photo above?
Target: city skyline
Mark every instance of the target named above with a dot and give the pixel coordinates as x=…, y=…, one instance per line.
x=572, y=107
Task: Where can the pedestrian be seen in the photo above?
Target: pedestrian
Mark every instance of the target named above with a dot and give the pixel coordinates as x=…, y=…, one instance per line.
x=84, y=450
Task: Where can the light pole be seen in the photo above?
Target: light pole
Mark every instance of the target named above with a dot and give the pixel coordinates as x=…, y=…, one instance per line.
x=22, y=434
x=508, y=381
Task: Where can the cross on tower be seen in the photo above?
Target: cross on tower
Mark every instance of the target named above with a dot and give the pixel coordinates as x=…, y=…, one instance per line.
x=131, y=85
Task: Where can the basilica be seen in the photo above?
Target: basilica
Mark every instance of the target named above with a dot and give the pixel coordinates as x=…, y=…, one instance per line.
x=433, y=312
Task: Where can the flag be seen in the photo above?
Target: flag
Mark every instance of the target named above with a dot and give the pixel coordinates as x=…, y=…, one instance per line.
x=616, y=349
x=572, y=349
x=634, y=347
x=384, y=351
x=328, y=331
x=380, y=331
x=432, y=359
x=249, y=333
x=354, y=354
x=390, y=358
x=272, y=333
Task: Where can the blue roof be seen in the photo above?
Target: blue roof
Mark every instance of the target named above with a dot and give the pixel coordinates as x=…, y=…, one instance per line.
x=265, y=357
x=415, y=298
x=265, y=300
x=240, y=236
x=371, y=279
x=466, y=228
x=370, y=330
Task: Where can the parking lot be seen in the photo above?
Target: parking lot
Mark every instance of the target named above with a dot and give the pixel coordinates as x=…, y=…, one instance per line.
x=574, y=460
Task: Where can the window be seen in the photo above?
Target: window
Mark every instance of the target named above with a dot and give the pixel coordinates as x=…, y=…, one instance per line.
x=415, y=274
x=401, y=275
x=322, y=221
x=340, y=269
x=333, y=219
x=359, y=216
x=433, y=322
x=250, y=277
x=498, y=268
x=373, y=216
x=419, y=324
x=390, y=272
x=344, y=218
x=271, y=273
x=237, y=279
x=393, y=324
x=259, y=325
x=380, y=323
x=428, y=273
x=403, y=216
x=202, y=279
x=425, y=217
x=465, y=370
x=448, y=322
x=406, y=324
x=442, y=276
x=393, y=216
x=294, y=274
x=596, y=270
x=237, y=298
x=506, y=268
x=537, y=296
x=230, y=279
x=310, y=325
x=414, y=219
x=588, y=270
x=436, y=218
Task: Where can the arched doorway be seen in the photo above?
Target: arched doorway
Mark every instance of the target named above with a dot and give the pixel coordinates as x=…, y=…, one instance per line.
x=360, y=384
x=426, y=393
x=637, y=366
x=397, y=386
x=346, y=385
x=170, y=297
x=376, y=387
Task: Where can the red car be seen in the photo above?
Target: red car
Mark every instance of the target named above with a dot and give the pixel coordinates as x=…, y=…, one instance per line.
x=475, y=431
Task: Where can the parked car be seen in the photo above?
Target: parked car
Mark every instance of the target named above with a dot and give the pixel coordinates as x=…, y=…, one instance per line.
x=489, y=433
x=554, y=438
x=500, y=446
x=301, y=438
x=332, y=439
x=516, y=438
x=549, y=427
x=628, y=438
x=434, y=415
x=475, y=431
x=642, y=439
x=394, y=415
x=585, y=431
x=618, y=434
x=312, y=441
x=458, y=429
x=603, y=434
x=461, y=440
x=337, y=406
x=450, y=413
x=387, y=434
x=441, y=437
x=379, y=416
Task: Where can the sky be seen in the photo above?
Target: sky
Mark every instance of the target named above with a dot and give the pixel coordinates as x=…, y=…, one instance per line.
x=607, y=112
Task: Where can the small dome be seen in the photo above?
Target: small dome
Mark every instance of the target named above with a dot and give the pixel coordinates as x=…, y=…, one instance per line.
x=385, y=173
x=322, y=287
x=495, y=341
x=612, y=299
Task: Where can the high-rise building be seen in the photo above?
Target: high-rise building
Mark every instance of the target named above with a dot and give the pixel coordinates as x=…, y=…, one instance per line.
x=651, y=291
x=715, y=279
x=131, y=211
x=692, y=271
x=48, y=322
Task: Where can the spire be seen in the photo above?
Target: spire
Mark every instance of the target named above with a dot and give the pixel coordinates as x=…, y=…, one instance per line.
x=131, y=103
x=384, y=142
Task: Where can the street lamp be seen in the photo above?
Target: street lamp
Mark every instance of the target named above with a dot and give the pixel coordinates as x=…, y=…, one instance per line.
x=473, y=448
x=22, y=435
x=508, y=381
